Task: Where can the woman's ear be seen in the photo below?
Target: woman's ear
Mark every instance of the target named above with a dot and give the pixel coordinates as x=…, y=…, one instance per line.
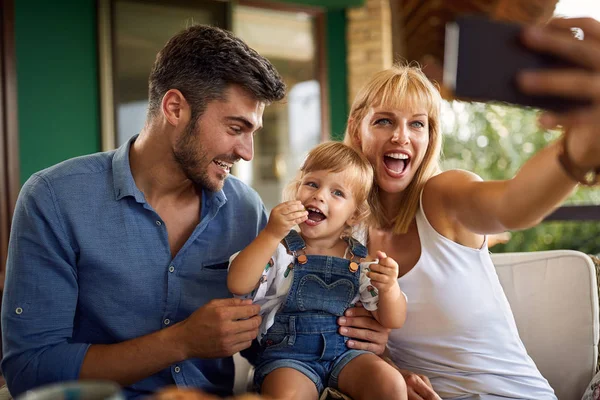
x=354, y=132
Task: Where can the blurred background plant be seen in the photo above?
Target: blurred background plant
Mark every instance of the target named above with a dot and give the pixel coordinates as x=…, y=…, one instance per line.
x=493, y=140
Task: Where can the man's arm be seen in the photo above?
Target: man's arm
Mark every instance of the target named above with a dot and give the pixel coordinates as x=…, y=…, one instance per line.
x=218, y=329
x=40, y=299
x=40, y=295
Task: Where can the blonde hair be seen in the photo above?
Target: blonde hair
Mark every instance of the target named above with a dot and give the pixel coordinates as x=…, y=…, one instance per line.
x=338, y=157
x=400, y=87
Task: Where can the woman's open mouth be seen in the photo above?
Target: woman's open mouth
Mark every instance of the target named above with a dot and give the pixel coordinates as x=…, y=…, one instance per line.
x=396, y=163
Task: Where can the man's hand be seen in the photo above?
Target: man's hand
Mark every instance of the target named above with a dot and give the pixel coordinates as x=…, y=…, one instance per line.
x=384, y=275
x=358, y=323
x=284, y=217
x=419, y=387
x=220, y=328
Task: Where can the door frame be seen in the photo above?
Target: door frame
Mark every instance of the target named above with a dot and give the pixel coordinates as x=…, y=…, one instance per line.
x=9, y=144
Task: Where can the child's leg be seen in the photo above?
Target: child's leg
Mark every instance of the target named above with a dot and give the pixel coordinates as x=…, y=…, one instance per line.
x=369, y=377
x=289, y=384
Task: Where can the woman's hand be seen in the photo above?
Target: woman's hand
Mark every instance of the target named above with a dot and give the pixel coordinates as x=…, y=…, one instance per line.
x=360, y=325
x=419, y=387
x=582, y=125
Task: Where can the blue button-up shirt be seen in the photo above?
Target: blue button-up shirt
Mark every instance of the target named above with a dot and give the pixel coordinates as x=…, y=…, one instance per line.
x=89, y=263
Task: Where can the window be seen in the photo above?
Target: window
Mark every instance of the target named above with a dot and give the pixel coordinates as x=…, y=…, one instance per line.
x=295, y=125
x=132, y=32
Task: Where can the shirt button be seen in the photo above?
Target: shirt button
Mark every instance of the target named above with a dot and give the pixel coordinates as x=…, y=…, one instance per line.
x=177, y=369
x=158, y=223
x=167, y=321
x=171, y=268
x=19, y=310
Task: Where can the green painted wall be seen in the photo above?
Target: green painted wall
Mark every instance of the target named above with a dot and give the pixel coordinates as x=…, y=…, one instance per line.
x=57, y=81
x=337, y=71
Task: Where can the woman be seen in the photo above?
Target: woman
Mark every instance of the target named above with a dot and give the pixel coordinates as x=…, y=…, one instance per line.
x=460, y=332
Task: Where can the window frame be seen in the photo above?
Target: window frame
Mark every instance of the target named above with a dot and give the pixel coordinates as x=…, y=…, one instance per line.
x=583, y=213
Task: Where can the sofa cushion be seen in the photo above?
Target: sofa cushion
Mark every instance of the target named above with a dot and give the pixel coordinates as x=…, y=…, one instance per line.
x=554, y=298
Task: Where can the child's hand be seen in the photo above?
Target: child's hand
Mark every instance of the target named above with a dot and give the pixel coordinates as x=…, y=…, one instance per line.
x=284, y=217
x=384, y=275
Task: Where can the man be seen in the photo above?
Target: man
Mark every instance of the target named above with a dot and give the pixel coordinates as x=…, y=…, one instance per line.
x=117, y=261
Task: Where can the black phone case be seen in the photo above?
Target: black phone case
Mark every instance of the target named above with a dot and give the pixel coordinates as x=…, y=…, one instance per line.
x=482, y=58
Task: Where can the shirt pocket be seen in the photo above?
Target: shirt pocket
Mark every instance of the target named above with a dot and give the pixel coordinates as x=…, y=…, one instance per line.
x=217, y=267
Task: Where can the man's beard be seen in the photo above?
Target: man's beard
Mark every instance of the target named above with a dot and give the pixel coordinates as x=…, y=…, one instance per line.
x=193, y=160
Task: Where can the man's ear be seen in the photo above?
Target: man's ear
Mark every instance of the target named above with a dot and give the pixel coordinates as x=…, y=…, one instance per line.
x=175, y=108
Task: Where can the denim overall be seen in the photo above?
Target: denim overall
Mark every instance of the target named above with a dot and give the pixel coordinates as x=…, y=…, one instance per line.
x=305, y=334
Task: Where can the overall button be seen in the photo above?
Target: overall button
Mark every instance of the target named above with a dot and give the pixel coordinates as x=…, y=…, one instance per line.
x=158, y=223
x=177, y=369
x=171, y=269
x=167, y=321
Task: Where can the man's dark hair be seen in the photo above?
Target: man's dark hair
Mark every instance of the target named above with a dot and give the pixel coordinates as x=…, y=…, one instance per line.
x=202, y=62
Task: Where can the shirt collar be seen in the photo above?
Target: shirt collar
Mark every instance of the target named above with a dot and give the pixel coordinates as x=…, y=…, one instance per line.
x=213, y=199
x=124, y=185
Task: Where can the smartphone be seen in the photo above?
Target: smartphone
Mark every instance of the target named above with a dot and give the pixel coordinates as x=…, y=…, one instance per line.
x=482, y=58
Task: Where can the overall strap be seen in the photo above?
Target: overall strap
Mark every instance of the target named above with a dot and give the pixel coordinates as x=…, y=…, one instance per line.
x=357, y=248
x=294, y=242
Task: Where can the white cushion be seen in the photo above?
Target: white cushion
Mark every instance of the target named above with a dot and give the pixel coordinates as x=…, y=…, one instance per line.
x=554, y=298
x=243, y=375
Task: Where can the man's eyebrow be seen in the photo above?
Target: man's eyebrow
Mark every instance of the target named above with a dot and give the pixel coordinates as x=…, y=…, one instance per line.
x=243, y=121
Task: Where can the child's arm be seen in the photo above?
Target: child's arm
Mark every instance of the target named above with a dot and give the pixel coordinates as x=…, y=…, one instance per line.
x=391, y=309
x=246, y=269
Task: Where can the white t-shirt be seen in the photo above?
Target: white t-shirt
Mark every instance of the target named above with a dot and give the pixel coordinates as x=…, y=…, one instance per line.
x=460, y=331
x=274, y=286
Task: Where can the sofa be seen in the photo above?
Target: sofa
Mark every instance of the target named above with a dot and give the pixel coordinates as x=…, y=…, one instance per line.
x=554, y=298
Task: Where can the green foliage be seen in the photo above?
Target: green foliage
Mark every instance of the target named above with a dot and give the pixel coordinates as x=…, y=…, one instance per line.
x=493, y=141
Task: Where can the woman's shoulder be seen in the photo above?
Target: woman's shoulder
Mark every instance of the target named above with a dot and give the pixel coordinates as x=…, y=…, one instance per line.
x=452, y=176
x=439, y=188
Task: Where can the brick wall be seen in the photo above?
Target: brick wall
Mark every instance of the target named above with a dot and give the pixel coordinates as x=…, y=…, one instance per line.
x=369, y=40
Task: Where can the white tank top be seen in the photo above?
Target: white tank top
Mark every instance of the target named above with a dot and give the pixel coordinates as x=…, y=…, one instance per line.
x=460, y=331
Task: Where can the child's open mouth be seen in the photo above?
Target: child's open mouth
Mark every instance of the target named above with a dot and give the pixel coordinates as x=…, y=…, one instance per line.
x=315, y=216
